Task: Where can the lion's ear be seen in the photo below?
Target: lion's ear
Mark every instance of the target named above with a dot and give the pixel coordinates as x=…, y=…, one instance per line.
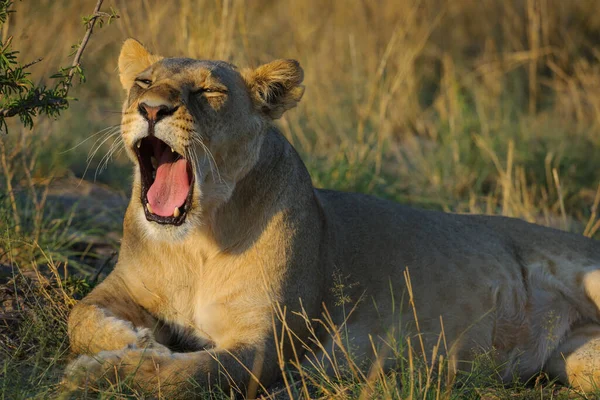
x=134, y=58
x=275, y=87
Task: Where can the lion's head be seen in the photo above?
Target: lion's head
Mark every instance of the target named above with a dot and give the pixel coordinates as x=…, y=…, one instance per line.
x=194, y=128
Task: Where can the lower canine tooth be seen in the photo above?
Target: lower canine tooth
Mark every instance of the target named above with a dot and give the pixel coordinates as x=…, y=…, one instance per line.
x=176, y=212
x=149, y=208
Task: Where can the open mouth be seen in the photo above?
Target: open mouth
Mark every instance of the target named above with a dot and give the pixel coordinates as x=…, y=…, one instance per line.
x=167, y=181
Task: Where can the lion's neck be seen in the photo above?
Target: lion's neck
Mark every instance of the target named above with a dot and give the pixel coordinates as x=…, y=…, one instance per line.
x=261, y=194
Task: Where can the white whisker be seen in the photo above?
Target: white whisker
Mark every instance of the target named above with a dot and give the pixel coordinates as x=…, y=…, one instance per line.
x=102, y=140
x=116, y=145
x=109, y=133
x=211, y=159
x=101, y=131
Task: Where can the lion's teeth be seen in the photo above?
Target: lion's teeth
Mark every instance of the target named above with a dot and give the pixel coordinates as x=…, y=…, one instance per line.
x=172, y=151
x=139, y=144
x=176, y=212
x=149, y=208
x=153, y=174
x=154, y=162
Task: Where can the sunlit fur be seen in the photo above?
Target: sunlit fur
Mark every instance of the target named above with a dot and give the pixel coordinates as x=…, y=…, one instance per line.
x=208, y=128
x=262, y=249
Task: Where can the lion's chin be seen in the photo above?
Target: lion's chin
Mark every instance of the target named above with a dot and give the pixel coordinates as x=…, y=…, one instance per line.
x=165, y=233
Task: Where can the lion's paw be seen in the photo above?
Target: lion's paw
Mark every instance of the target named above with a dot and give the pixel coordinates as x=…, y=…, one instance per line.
x=112, y=367
x=86, y=369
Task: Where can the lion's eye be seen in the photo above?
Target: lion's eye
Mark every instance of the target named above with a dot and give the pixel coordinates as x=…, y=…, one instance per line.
x=209, y=91
x=144, y=83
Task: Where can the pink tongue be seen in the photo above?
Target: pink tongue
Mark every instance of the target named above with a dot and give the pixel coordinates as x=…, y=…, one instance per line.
x=170, y=187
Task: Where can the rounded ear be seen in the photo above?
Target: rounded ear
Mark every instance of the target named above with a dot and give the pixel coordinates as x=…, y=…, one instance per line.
x=275, y=87
x=134, y=58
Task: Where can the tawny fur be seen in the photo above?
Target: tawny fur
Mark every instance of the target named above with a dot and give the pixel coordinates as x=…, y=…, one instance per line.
x=186, y=303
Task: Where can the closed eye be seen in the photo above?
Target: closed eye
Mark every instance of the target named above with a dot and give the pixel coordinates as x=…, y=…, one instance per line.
x=210, y=91
x=144, y=83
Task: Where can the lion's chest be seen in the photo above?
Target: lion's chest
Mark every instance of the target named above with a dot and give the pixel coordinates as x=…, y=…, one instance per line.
x=213, y=321
x=221, y=315
x=219, y=300
x=190, y=312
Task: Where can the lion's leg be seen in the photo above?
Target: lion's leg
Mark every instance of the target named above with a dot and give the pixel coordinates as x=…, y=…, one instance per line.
x=108, y=319
x=179, y=375
x=577, y=360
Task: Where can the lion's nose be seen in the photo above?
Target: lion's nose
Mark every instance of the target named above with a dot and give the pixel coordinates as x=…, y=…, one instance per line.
x=155, y=114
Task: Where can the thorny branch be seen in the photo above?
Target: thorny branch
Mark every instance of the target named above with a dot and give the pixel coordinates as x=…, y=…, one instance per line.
x=88, y=33
x=39, y=99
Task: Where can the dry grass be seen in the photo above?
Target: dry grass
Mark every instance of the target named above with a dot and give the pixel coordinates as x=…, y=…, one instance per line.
x=460, y=105
x=453, y=104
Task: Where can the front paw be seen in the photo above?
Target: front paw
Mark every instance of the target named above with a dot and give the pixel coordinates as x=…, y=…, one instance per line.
x=138, y=368
x=87, y=370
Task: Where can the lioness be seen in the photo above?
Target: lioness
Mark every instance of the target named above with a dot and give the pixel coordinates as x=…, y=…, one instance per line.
x=226, y=242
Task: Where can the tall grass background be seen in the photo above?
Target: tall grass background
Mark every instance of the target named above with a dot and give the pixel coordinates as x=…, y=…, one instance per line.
x=464, y=106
